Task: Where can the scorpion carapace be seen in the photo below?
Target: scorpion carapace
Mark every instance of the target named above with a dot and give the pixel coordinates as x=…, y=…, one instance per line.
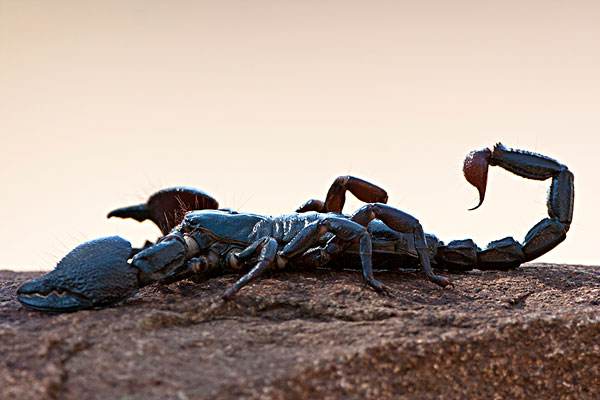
x=200, y=241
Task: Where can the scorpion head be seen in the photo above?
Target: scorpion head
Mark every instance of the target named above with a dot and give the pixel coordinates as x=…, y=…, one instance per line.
x=95, y=273
x=476, y=171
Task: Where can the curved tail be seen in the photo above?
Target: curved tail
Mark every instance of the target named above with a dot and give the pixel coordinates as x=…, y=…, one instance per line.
x=508, y=253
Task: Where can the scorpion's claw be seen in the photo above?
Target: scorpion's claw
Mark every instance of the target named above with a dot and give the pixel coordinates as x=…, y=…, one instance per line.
x=476, y=171
x=95, y=273
x=167, y=207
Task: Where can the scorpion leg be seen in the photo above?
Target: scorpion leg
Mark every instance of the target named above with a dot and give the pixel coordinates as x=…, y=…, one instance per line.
x=267, y=247
x=336, y=196
x=405, y=223
x=346, y=232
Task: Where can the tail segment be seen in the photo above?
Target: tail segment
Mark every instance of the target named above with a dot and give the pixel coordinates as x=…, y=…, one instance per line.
x=508, y=253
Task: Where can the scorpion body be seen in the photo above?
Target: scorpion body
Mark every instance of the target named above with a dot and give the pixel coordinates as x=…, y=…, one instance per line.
x=206, y=241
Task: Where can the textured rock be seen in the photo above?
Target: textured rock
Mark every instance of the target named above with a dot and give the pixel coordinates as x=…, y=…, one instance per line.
x=529, y=333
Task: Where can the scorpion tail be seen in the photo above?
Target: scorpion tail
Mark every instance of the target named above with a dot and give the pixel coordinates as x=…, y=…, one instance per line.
x=508, y=253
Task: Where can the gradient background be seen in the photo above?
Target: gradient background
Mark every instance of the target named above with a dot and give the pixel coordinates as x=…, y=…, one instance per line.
x=264, y=103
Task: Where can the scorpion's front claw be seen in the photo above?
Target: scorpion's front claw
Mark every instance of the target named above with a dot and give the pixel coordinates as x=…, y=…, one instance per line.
x=167, y=207
x=94, y=274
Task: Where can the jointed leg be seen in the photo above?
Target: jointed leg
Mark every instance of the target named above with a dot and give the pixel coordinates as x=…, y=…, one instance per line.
x=405, y=223
x=336, y=196
x=346, y=232
x=268, y=250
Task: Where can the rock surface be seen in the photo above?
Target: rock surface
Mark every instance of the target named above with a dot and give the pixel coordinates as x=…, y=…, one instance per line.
x=529, y=333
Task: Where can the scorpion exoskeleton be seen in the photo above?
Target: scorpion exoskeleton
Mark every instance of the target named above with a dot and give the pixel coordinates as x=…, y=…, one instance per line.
x=200, y=241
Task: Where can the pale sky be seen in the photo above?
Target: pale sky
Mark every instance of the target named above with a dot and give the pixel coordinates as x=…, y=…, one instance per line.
x=263, y=103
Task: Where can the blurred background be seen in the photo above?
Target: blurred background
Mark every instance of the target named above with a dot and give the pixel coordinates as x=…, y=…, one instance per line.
x=263, y=103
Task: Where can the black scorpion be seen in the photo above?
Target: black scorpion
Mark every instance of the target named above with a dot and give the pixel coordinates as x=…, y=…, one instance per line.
x=200, y=241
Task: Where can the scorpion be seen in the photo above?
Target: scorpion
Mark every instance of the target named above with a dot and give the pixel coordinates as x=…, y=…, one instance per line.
x=201, y=241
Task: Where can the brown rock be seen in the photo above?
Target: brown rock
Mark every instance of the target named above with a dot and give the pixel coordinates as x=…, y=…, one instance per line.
x=529, y=333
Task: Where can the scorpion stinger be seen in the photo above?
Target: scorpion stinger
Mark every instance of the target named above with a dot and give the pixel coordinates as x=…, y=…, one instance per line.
x=476, y=171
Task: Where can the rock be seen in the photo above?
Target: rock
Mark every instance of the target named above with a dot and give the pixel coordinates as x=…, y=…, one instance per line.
x=529, y=333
